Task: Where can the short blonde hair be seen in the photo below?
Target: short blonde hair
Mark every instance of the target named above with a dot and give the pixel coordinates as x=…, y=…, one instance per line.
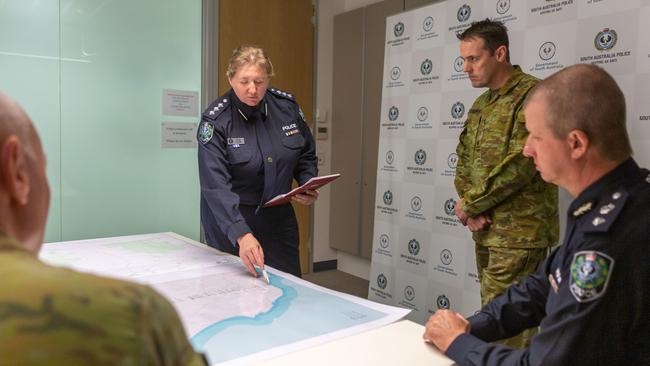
x=248, y=55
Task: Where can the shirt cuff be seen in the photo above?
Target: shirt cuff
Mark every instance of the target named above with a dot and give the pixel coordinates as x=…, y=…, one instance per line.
x=461, y=346
x=237, y=230
x=480, y=325
x=469, y=209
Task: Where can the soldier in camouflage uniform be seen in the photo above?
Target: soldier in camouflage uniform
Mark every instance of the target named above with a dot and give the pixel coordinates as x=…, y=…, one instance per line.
x=511, y=211
x=56, y=316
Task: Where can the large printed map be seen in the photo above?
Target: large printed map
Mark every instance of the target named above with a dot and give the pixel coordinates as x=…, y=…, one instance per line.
x=231, y=316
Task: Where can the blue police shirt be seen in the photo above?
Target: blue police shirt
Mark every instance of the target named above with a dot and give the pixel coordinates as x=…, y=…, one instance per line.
x=248, y=155
x=590, y=298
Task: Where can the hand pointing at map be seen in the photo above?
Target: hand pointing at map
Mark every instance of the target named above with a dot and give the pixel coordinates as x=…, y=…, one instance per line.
x=251, y=253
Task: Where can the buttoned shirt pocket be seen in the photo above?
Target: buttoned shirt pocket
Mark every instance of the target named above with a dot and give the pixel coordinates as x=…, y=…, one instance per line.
x=295, y=141
x=239, y=155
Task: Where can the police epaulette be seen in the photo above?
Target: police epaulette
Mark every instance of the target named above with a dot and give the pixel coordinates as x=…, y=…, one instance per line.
x=282, y=94
x=216, y=108
x=603, y=216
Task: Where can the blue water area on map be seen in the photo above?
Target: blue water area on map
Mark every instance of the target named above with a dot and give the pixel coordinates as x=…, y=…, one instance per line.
x=299, y=313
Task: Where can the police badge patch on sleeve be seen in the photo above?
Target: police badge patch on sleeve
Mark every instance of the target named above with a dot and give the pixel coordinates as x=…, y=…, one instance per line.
x=205, y=132
x=590, y=273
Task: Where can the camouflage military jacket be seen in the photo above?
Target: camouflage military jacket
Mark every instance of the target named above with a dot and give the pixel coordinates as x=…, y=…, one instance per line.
x=493, y=176
x=56, y=316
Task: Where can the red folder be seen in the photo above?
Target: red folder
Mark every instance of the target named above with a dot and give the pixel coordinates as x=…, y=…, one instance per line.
x=313, y=183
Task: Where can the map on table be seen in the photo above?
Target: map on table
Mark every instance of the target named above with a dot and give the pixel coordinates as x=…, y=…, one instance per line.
x=231, y=316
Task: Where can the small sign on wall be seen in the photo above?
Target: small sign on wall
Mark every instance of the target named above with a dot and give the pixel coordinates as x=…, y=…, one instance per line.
x=180, y=103
x=178, y=135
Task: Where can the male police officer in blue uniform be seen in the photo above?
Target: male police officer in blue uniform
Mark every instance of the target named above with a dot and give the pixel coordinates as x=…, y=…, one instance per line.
x=591, y=297
x=252, y=142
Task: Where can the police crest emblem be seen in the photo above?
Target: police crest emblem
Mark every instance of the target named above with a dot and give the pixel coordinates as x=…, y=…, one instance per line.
x=606, y=39
x=382, y=281
x=443, y=302
x=590, y=273
x=414, y=247
x=205, y=132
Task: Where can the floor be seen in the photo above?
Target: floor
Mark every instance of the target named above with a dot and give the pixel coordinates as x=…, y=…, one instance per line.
x=339, y=281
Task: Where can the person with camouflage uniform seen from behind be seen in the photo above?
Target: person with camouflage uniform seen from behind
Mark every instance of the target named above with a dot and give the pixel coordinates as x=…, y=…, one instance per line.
x=510, y=210
x=56, y=316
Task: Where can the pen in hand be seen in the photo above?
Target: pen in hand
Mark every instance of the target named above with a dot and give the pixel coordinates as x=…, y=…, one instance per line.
x=266, y=277
x=264, y=273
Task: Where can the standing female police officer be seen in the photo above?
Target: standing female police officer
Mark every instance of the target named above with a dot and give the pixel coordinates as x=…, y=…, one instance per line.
x=252, y=142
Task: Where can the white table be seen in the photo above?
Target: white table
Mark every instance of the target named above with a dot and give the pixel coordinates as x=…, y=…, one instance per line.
x=398, y=343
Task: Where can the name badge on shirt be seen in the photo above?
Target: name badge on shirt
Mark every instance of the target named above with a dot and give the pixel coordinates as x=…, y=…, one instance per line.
x=235, y=141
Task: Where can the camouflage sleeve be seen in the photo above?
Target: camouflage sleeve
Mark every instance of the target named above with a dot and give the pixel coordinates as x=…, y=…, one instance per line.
x=508, y=177
x=462, y=179
x=168, y=339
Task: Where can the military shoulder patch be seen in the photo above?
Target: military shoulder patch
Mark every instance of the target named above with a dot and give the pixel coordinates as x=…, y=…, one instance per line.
x=590, y=273
x=205, y=132
x=282, y=94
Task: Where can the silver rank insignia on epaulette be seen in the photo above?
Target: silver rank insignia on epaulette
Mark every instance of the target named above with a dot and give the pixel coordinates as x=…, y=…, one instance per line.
x=586, y=207
x=607, y=208
x=647, y=179
x=218, y=107
x=280, y=92
x=598, y=220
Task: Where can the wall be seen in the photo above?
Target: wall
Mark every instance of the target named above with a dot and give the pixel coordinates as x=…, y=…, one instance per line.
x=325, y=18
x=423, y=258
x=91, y=75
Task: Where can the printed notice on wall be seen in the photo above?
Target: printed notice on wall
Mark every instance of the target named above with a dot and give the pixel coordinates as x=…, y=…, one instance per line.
x=180, y=103
x=178, y=135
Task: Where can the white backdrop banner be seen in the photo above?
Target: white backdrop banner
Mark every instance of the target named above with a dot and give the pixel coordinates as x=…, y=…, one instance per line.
x=423, y=258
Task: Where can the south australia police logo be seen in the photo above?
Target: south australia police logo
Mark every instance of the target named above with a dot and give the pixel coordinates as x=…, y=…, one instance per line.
x=443, y=302
x=414, y=247
x=426, y=66
x=416, y=203
x=463, y=13
x=395, y=72
x=452, y=160
x=458, y=110
x=205, y=132
x=590, y=273
x=459, y=64
x=450, y=206
x=398, y=29
x=422, y=114
x=427, y=24
x=420, y=157
x=547, y=51
x=388, y=197
x=446, y=257
x=382, y=281
x=605, y=39
x=390, y=157
x=393, y=113
x=384, y=241
x=409, y=293
x=503, y=6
